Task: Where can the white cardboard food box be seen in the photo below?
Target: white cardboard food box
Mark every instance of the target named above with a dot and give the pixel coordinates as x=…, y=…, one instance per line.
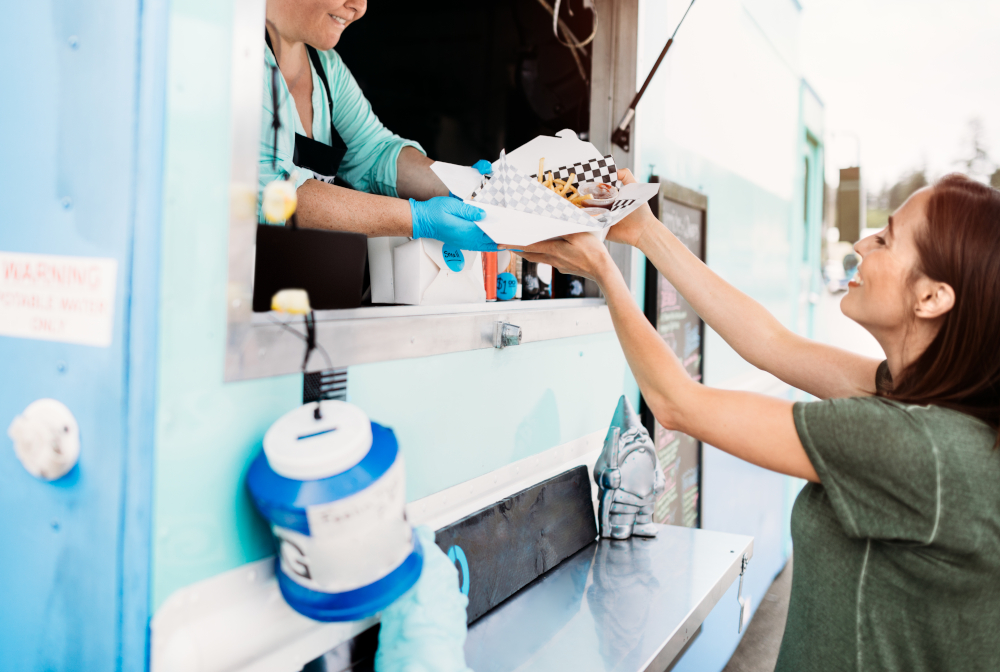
x=422, y=275
x=380, y=267
x=414, y=272
x=519, y=211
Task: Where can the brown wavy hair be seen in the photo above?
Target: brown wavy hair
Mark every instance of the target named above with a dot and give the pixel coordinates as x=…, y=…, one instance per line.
x=960, y=246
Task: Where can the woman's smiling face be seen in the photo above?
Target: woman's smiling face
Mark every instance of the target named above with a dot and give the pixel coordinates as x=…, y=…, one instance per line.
x=881, y=298
x=318, y=23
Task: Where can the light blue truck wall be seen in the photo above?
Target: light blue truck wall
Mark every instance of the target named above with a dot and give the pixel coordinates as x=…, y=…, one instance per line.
x=456, y=416
x=723, y=117
x=80, y=176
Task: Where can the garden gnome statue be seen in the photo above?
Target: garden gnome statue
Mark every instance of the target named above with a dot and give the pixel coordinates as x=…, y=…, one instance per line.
x=629, y=477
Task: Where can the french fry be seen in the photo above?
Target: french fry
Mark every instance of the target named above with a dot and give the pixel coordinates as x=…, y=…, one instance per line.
x=561, y=187
x=567, y=184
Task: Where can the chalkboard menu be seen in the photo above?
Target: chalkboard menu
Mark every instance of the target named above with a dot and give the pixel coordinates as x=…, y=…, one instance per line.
x=683, y=212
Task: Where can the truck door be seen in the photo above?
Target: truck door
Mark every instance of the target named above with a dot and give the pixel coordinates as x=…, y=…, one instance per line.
x=77, y=300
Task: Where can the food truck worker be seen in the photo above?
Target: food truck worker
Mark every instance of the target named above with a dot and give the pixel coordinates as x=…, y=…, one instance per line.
x=347, y=168
x=897, y=533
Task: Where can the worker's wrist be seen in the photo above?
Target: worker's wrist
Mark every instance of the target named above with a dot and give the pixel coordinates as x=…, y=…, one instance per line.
x=415, y=223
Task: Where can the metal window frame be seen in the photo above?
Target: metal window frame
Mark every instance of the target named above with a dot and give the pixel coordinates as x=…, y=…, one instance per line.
x=676, y=193
x=259, y=345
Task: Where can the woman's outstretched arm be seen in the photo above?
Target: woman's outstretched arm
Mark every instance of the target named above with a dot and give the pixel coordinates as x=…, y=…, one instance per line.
x=753, y=427
x=821, y=370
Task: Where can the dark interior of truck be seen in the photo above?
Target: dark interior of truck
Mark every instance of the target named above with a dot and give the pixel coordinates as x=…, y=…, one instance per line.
x=467, y=79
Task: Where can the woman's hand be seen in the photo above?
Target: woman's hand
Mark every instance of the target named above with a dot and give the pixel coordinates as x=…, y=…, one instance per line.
x=630, y=229
x=576, y=254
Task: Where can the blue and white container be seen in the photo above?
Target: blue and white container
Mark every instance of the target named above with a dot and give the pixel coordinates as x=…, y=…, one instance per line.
x=332, y=485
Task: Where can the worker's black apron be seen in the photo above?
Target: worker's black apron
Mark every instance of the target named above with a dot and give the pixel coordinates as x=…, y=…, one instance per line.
x=332, y=266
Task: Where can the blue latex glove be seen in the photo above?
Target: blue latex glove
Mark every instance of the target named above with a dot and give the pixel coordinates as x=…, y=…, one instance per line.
x=484, y=167
x=451, y=221
x=424, y=630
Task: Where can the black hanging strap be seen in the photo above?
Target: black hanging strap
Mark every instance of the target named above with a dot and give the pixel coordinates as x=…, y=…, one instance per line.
x=320, y=70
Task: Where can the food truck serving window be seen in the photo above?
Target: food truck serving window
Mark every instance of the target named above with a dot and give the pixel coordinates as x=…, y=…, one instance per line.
x=466, y=81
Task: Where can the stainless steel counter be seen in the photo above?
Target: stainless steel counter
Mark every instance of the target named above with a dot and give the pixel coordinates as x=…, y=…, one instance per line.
x=628, y=606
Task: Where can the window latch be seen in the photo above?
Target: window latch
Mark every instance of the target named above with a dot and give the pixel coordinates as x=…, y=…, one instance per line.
x=506, y=334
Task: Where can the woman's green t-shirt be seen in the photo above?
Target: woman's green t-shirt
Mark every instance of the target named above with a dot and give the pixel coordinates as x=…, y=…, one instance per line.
x=897, y=551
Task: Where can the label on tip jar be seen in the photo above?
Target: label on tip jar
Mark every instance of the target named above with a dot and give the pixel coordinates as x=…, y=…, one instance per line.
x=506, y=286
x=453, y=257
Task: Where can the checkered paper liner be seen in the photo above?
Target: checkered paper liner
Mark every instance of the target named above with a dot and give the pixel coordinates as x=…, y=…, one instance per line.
x=514, y=190
x=622, y=203
x=594, y=170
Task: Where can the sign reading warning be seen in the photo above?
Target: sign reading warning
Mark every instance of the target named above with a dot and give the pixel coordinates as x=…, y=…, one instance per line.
x=56, y=298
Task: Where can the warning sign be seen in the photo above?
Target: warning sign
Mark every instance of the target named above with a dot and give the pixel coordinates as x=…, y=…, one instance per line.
x=55, y=298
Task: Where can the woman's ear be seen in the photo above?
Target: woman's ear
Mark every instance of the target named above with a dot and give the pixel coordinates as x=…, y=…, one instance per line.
x=934, y=298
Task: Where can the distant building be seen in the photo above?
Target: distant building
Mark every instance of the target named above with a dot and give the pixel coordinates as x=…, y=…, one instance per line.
x=850, y=205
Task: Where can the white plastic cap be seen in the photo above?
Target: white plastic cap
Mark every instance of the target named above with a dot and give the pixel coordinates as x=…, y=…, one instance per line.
x=306, y=448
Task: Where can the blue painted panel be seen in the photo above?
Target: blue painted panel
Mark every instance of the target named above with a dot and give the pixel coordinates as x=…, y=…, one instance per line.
x=142, y=345
x=69, y=186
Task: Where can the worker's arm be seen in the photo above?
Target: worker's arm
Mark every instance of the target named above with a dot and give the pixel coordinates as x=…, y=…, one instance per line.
x=753, y=427
x=326, y=206
x=414, y=177
x=821, y=370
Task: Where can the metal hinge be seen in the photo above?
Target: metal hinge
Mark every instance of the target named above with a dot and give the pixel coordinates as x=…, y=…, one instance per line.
x=739, y=593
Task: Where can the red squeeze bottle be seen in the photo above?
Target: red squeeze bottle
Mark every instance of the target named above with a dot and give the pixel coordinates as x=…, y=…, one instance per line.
x=490, y=275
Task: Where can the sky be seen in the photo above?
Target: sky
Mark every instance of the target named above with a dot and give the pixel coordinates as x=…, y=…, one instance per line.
x=903, y=77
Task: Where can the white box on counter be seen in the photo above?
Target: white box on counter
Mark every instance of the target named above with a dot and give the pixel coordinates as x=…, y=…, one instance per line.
x=427, y=272
x=380, y=267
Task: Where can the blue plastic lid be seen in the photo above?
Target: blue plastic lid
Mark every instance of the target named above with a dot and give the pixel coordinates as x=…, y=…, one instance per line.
x=354, y=604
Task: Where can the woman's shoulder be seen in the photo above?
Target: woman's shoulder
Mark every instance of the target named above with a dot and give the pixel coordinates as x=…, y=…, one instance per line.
x=332, y=62
x=898, y=422
x=884, y=405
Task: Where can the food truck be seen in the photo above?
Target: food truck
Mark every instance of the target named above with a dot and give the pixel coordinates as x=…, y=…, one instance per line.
x=128, y=271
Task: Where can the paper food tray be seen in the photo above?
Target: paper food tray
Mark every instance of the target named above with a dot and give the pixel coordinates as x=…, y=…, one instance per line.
x=520, y=211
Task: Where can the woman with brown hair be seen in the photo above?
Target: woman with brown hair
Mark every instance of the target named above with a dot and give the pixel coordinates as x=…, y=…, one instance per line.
x=897, y=534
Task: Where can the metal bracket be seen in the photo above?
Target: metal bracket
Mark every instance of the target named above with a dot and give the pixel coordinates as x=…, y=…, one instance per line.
x=622, y=135
x=739, y=592
x=506, y=334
